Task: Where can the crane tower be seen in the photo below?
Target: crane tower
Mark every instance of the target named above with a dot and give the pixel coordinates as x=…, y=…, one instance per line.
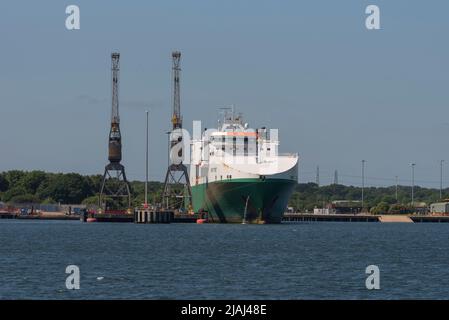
x=177, y=193
x=176, y=118
x=115, y=190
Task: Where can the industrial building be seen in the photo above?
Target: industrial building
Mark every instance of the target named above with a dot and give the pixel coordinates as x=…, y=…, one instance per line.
x=440, y=207
x=346, y=206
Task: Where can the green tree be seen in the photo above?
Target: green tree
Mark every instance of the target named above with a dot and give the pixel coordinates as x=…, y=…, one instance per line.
x=14, y=177
x=92, y=200
x=4, y=184
x=94, y=182
x=32, y=180
x=25, y=198
x=381, y=208
x=13, y=192
x=66, y=188
x=398, y=208
x=48, y=201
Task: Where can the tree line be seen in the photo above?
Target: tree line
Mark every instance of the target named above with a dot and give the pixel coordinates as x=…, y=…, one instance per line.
x=18, y=186
x=308, y=196
x=66, y=188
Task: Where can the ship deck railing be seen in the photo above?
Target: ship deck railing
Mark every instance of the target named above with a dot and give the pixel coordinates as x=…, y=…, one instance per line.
x=287, y=154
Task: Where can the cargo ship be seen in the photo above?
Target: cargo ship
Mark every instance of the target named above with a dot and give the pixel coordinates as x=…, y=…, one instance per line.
x=237, y=174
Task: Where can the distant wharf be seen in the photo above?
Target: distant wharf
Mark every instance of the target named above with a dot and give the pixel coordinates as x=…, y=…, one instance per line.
x=301, y=217
x=151, y=216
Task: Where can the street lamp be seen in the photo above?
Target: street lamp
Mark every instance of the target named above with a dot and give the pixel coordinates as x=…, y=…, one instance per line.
x=413, y=182
x=396, y=180
x=146, y=166
x=363, y=183
x=441, y=179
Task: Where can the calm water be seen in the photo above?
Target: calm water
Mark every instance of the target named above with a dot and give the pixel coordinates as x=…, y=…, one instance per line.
x=321, y=260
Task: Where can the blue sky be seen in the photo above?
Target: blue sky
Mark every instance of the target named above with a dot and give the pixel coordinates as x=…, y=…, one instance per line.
x=338, y=92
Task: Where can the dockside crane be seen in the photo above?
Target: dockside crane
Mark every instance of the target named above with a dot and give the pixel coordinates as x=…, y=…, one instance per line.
x=115, y=190
x=177, y=194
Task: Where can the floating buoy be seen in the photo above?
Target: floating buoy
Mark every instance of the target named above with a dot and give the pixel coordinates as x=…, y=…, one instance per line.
x=201, y=221
x=91, y=220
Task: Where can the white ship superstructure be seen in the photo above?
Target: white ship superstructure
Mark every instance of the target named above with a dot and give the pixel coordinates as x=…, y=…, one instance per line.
x=240, y=162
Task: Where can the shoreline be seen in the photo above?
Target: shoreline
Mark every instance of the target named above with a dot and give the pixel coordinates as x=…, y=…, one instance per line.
x=287, y=218
x=39, y=217
x=406, y=218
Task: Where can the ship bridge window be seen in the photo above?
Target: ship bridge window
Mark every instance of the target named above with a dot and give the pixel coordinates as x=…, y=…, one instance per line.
x=245, y=146
x=223, y=140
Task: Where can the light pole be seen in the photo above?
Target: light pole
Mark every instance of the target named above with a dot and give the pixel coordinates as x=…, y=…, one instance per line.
x=396, y=179
x=441, y=179
x=413, y=183
x=363, y=183
x=146, y=166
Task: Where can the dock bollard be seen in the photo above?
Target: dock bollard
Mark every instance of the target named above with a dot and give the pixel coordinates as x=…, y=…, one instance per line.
x=153, y=216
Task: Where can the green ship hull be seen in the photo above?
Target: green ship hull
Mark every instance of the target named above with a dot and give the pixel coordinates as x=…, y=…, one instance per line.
x=265, y=200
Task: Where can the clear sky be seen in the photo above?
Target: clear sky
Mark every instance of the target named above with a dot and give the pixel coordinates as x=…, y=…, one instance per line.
x=338, y=92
